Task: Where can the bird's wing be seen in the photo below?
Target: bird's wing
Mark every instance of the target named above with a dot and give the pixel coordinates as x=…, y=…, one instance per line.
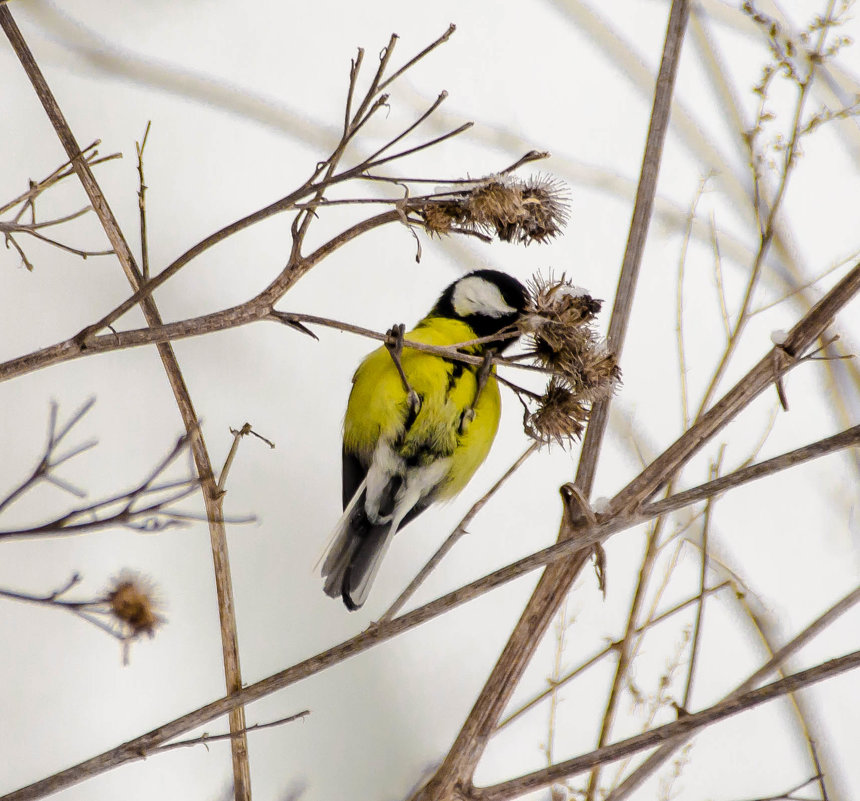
x=353, y=475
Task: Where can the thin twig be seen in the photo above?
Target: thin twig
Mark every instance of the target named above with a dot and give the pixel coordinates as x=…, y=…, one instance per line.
x=141, y=203
x=680, y=729
x=382, y=632
x=453, y=537
x=205, y=739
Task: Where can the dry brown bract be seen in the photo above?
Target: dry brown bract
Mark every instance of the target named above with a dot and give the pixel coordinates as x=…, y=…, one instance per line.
x=564, y=340
x=133, y=604
x=503, y=206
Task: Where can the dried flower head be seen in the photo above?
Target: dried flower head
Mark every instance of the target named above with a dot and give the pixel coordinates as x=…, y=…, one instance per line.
x=133, y=603
x=563, y=339
x=514, y=210
x=559, y=417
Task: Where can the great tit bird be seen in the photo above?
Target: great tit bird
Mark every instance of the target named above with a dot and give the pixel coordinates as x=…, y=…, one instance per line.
x=418, y=425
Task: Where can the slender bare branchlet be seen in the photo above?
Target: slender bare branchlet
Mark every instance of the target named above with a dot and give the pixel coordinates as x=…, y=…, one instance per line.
x=147, y=506
x=24, y=205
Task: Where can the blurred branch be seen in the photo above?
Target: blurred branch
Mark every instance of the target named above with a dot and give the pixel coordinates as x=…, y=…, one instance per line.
x=613, y=647
x=682, y=728
x=767, y=211
x=779, y=657
x=50, y=460
x=377, y=634
x=122, y=509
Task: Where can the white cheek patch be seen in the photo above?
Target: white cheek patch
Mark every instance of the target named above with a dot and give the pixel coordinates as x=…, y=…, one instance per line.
x=476, y=295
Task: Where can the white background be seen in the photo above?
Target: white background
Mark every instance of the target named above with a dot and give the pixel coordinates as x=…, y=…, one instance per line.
x=244, y=99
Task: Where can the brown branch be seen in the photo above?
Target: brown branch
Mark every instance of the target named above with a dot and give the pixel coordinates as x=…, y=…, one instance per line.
x=205, y=739
x=218, y=537
x=375, y=635
x=681, y=728
x=639, y=224
x=655, y=760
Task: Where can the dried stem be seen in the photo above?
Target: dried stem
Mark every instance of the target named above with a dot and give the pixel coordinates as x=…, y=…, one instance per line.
x=680, y=729
x=768, y=225
x=609, y=649
x=125, y=611
x=50, y=459
x=382, y=632
x=700, y=607
x=662, y=754
x=218, y=537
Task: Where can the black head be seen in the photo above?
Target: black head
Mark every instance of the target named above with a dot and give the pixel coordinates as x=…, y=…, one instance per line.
x=487, y=300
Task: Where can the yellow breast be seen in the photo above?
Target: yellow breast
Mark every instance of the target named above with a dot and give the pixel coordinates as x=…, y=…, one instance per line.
x=378, y=407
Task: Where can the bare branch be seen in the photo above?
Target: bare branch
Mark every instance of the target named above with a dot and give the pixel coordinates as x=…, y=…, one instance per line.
x=205, y=739
x=681, y=728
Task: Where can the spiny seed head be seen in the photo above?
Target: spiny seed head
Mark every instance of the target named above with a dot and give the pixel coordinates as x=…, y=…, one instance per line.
x=440, y=218
x=560, y=415
x=563, y=339
x=559, y=300
x=514, y=210
x=133, y=604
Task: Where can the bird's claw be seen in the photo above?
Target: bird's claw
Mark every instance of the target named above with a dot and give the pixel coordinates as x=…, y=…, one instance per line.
x=394, y=340
x=394, y=344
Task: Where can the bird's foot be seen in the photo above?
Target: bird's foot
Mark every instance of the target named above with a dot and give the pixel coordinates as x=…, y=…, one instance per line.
x=482, y=374
x=394, y=345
